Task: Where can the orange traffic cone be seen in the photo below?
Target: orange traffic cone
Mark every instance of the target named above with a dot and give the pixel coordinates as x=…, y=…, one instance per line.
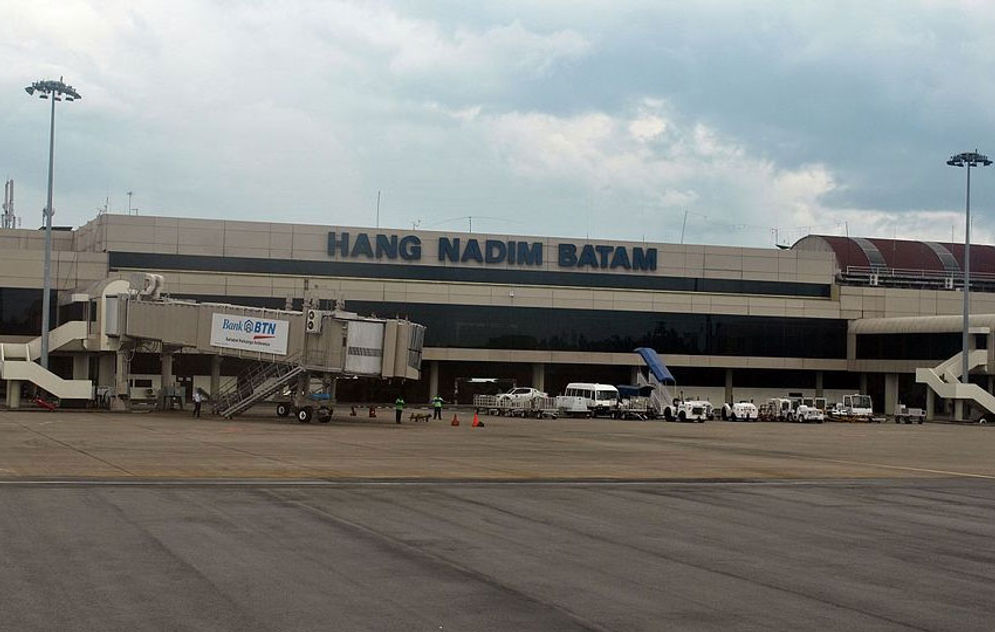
x=455, y=420
x=476, y=421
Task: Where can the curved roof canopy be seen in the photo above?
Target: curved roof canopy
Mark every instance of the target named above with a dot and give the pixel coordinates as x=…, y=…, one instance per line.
x=901, y=254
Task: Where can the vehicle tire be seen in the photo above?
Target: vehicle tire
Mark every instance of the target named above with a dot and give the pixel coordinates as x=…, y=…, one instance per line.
x=725, y=414
x=305, y=414
x=682, y=416
x=282, y=409
x=791, y=418
x=668, y=414
x=918, y=422
x=324, y=414
x=732, y=416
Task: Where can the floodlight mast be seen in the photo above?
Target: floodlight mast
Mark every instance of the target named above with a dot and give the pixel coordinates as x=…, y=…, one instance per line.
x=967, y=159
x=56, y=91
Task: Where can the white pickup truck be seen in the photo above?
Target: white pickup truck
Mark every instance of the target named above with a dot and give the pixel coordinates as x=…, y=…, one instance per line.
x=520, y=394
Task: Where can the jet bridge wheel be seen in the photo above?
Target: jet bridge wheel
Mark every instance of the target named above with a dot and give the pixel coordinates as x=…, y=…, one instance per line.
x=305, y=414
x=282, y=409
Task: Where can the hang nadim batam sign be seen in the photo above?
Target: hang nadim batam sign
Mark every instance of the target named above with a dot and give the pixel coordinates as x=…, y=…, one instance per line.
x=249, y=333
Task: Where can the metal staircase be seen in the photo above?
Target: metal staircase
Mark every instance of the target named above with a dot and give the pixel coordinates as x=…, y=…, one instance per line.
x=256, y=383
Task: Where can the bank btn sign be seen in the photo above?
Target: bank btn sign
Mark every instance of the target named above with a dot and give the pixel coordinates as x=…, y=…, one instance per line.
x=249, y=333
x=491, y=252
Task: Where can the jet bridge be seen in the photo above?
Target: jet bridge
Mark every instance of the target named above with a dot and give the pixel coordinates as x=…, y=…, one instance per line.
x=288, y=347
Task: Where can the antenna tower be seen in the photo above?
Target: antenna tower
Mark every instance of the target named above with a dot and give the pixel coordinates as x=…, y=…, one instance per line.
x=9, y=219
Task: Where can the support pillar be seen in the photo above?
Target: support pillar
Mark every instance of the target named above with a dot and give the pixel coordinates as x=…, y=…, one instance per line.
x=863, y=384
x=13, y=394
x=634, y=375
x=121, y=399
x=433, y=378
x=729, y=394
x=167, y=379
x=539, y=376
x=930, y=403
x=958, y=409
x=215, y=375
x=818, y=384
x=890, y=392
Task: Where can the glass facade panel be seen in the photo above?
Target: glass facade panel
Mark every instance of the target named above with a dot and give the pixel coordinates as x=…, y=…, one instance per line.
x=471, y=326
x=20, y=311
x=917, y=346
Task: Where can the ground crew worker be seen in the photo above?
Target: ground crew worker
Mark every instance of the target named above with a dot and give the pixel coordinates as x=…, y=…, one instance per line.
x=197, y=399
x=437, y=405
x=398, y=408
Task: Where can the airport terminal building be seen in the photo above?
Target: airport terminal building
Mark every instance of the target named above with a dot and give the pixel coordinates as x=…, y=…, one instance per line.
x=828, y=316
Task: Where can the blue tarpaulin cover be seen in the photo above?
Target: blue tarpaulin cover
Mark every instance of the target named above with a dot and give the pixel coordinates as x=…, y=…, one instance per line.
x=628, y=390
x=656, y=365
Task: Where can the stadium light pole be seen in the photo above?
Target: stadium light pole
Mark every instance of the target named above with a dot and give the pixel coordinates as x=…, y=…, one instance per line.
x=56, y=91
x=968, y=159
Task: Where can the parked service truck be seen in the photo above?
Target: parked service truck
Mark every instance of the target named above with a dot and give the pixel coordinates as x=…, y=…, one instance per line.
x=855, y=408
x=906, y=415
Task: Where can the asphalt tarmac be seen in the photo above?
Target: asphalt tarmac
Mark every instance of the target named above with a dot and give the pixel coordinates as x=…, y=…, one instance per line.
x=159, y=522
x=857, y=555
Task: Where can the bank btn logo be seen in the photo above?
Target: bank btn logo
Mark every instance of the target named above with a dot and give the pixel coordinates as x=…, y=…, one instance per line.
x=259, y=329
x=249, y=333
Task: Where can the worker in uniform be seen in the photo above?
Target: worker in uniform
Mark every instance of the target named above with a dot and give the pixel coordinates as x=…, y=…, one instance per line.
x=197, y=399
x=398, y=409
x=437, y=406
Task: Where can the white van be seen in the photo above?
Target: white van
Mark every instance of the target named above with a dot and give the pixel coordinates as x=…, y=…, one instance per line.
x=590, y=398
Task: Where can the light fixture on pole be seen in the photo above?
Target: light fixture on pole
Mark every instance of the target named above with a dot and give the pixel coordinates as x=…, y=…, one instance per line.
x=968, y=159
x=56, y=91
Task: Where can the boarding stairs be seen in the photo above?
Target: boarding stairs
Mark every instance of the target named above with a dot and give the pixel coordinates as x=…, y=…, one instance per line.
x=259, y=381
x=659, y=378
x=945, y=380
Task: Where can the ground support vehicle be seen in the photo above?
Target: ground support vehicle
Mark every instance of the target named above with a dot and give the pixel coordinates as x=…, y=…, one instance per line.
x=740, y=411
x=689, y=410
x=855, y=408
x=808, y=414
x=572, y=406
x=777, y=409
x=906, y=415
x=637, y=408
x=536, y=406
x=520, y=394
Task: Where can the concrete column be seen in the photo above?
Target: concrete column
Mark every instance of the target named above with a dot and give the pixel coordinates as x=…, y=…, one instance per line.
x=958, y=409
x=121, y=400
x=539, y=376
x=81, y=366
x=634, y=375
x=167, y=379
x=433, y=378
x=818, y=384
x=930, y=396
x=13, y=394
x=890, y=392
x=729, y=394
x=863, y=384
x=215, y=375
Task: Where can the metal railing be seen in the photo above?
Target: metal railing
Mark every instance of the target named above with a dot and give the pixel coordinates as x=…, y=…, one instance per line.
x=912, y=278
x=257, y=382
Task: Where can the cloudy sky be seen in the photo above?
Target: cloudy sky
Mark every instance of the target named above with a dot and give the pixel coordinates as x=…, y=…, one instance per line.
x=754, y=120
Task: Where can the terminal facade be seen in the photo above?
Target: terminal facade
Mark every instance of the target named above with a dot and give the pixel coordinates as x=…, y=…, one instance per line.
x=828, y=316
